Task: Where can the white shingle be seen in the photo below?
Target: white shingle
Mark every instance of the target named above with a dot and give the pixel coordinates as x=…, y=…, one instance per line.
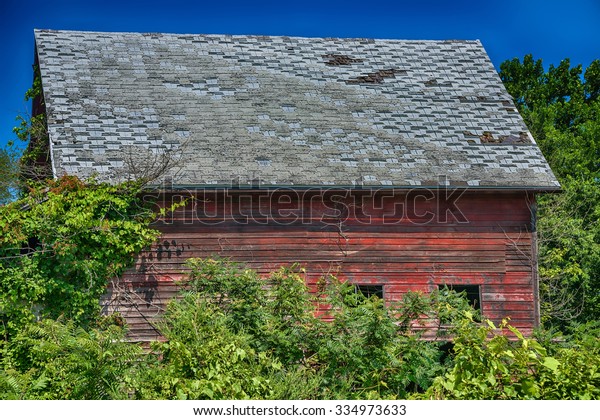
x=210, y=94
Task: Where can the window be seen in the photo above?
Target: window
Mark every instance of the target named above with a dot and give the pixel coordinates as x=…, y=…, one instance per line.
x=471, y=292
x=368, y=290
x=356, y=294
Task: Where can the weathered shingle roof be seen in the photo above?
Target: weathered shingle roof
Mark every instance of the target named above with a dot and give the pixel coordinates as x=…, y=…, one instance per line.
x=287, y=111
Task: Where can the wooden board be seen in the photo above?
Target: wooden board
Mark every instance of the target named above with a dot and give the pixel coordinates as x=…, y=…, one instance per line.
x=390, y=238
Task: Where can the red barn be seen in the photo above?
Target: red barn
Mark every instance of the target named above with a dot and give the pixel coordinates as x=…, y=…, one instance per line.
x=396, y=165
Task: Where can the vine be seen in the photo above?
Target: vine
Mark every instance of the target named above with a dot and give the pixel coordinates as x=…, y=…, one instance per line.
x=61, y=245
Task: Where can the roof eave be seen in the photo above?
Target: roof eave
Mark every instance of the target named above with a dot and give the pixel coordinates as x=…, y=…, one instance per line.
x=270, y=187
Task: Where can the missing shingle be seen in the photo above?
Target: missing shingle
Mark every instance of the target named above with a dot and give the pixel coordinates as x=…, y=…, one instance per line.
x=522, y=138
x=375, y=77
x=472, y=99
x=488, y=137
x=340, y=60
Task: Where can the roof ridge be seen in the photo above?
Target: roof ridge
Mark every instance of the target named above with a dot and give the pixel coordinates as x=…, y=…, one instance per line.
x=280, y=36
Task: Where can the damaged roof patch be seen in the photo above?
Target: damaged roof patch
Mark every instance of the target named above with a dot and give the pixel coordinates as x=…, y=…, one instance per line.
x=375, y=77
x=340, y=60
x=488, y=137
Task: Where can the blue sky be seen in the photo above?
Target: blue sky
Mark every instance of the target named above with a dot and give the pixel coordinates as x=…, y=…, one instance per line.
x=549, y=29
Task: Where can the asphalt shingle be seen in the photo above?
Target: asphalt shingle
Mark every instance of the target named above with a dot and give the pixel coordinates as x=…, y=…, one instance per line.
x=289, y=111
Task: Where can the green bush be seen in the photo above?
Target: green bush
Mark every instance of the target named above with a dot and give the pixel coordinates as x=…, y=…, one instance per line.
x=234, y=335
x=500, y=363
x=57, y=360
x=61, y=244
x=201, y=358
x=359, y=351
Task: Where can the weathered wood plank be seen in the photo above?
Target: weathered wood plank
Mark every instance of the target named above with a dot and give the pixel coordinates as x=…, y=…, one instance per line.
x=483, y=240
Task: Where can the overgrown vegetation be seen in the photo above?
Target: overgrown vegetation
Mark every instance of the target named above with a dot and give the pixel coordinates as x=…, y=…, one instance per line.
x=223, y=341
x=60, y=245
x=562, y=110
x=487, y=365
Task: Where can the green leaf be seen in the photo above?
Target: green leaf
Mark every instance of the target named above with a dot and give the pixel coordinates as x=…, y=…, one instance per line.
x=551, y=363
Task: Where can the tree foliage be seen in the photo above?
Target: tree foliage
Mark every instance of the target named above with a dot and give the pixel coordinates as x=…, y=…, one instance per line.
x=60, y=245
x=9, y=158
x=25, y=161
x=354, y=350
x=561, y=107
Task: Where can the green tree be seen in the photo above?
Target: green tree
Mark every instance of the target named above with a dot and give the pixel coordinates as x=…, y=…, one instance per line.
x=25, y=161
x=61, y=244
x=214, y=348
x=8, y=174
x=562, y=110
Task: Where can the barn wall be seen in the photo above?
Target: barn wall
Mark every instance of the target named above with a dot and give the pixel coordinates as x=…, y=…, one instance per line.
x=403, y=241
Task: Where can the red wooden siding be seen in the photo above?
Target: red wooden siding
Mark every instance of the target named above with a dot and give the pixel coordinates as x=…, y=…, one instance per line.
x=404, y=241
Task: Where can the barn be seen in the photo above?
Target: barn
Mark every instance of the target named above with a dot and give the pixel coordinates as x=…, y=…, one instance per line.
x=394, y=164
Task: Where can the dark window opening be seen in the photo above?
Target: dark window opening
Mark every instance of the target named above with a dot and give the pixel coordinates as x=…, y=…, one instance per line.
x=368, y=290
x=357, y=294
x=471, y=292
